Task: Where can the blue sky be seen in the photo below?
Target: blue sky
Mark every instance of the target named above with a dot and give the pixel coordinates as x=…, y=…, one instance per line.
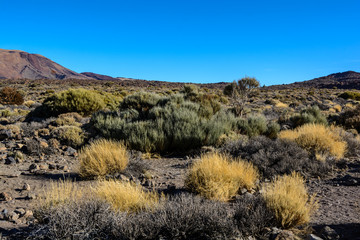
x=189, y=41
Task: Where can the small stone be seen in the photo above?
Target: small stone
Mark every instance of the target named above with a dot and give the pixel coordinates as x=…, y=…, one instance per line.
x=329, y=233
x=314, y=237
x=19, y=145
x=33, y=167
x=243, y=190
x=26, y=187
x=10, y=161
x=43, y=166
x=124, y=178
x=4, y=196
x=30, y=196
x=43, y=144
x=12, y=216
x=52, y=166
x=70, y=151
x=286, y=235
x=62, y=167
x=28, y=213
x=20, y=211
x=3, y=214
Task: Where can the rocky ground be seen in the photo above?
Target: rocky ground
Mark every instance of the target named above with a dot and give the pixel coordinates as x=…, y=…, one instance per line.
x=22, y=181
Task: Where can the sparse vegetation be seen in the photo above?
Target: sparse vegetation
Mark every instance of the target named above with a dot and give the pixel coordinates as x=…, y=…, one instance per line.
x=150, y=123
x=11, y=96
x=288, y=198
x=239, y=93
x=317, y=140
x=216, y=176
x=309, y=115
x=82, y=101
x=103, y=157
x=69, y=135
x=125, y=196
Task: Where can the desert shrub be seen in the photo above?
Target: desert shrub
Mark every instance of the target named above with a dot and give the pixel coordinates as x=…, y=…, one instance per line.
x=191, y=217
x=69, y=135
x=141, y=102
x=182, y=217
x=256, y=125
x=317, y=139
x=252, y=216
x=350, y=119
x=29, y=103
x=216, y=176
x=83, y=101
x=126, y=196
x=288, y=198
x=149, y=123
x=271, y=157
x=253, y=125
x=273, y=128
x=350, y=95
x=209, y=102
x=103, y=157
x=309, y=115
x=83, y=219
x=72, y=119
x=11, y=96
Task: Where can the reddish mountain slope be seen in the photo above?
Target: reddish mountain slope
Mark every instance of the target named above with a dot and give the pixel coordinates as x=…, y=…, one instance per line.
x=16, y=64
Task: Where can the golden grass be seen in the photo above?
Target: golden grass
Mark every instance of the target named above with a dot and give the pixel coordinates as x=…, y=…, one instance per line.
x=288, y=198
x=216, y=176
x=337, y=108
x=317, y=139
x=281, y=105
x=61, y=192
x=103, y=157
x=126, y=196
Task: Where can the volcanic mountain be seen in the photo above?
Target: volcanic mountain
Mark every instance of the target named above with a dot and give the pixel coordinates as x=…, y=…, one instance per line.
x=342, y=80
x=16, y=64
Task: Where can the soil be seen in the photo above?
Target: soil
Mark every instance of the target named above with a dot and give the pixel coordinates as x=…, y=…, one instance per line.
x=338, y=195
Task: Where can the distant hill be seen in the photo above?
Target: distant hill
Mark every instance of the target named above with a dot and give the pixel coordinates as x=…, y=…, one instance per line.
x=16, y=64
x=98, y=76
x=342, y=80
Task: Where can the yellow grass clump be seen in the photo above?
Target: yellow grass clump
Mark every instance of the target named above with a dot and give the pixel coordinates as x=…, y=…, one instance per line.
x=60, y=192
x=288, y=198
x=126, y=196
x=103, y=157
x=317, y=139
x=216, y=176
x=281, y=105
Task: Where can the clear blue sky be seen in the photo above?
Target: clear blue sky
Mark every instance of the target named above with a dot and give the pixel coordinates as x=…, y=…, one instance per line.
x=189, y=41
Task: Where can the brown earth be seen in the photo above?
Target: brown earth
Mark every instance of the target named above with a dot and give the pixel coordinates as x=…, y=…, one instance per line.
x=16, y=64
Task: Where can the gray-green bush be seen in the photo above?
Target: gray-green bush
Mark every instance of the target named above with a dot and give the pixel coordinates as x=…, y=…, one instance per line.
x=309, y=115
x=149, y=123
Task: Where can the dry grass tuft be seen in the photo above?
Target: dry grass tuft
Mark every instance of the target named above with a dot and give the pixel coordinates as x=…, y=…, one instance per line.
x=217, y=176
x=288, y=198
x=60, y=192
x=103, y=157
x=317, y=139
x=126, y=196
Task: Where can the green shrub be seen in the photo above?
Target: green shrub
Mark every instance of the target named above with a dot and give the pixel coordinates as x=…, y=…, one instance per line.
x=350, y=95
x=69, y=135
x=309, y=115
x=11, y=96
x=82, y=101
x=256, y=125
x=149, y=123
